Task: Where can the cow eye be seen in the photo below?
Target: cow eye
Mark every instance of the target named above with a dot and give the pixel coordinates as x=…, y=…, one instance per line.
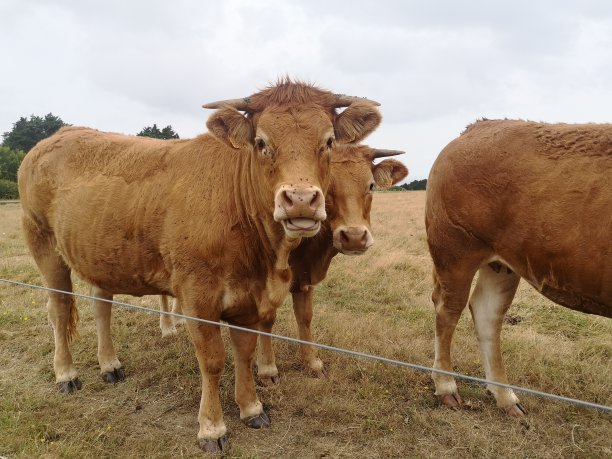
x=330, y=142
x=372, y=186
x=261, y=146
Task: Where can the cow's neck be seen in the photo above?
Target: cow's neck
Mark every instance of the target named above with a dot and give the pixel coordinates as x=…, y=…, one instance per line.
x=278, y=281
x=274, y=243
x=311, y=260
x=255, y=211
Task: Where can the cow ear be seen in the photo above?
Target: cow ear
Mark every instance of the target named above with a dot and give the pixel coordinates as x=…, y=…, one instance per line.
x=230, y=126
x=389, y=172
x=356, y=122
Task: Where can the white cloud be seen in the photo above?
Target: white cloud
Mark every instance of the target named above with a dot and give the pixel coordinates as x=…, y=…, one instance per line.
x=435, y=66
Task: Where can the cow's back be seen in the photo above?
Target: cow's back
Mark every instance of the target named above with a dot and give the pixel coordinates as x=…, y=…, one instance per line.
x=105, y=200
x=538, y=196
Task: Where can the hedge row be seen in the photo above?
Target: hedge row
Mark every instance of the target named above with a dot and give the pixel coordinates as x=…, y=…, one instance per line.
x=8, y=189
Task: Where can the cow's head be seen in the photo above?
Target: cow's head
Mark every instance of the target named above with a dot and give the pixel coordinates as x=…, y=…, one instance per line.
x=349, y=198
x=289, y=130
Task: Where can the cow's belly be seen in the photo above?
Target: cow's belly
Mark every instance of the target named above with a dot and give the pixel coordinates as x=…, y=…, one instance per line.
x=110, y=240
x=577, y=301
x=566, y=285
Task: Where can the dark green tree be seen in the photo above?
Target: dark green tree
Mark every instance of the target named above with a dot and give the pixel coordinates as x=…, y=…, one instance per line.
x=8, y=189
x=28, y=132
x=156, y=133
x=9, y=163
x=168, y=133
x=415, y=185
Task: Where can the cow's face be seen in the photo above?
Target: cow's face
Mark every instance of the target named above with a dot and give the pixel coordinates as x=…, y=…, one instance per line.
x=290, y=152
x=349, y=199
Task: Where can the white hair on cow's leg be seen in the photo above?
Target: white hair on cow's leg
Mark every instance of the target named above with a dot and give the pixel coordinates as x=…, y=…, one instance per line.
x=489, y=302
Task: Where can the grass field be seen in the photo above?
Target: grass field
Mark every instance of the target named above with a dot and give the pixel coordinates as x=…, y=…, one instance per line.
x=378, y=303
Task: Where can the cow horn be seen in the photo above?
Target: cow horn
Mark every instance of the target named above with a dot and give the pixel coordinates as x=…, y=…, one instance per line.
x=342, y=100
x=239, y=104
x=381, y=153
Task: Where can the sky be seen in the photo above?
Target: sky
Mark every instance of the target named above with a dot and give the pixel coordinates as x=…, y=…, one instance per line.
x=434, y=66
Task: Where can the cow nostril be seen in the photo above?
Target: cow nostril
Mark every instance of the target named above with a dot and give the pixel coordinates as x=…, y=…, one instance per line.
x=287, y=201
x=344, y=238
x=316, y=199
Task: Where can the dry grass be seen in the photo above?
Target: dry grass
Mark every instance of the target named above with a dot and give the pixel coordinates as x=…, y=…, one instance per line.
x=378, y=303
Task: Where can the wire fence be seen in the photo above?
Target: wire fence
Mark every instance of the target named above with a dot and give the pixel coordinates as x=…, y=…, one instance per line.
x=398, y=363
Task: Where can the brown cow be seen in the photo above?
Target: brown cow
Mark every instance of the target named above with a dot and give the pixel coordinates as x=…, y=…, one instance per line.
x=511, y=200
x=209, y=220
x=347, y=230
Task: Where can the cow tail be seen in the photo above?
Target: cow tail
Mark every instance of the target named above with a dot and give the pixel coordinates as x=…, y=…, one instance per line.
x=71, y=331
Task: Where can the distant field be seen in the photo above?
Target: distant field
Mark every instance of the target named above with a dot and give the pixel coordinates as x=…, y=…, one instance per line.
x=378, y=303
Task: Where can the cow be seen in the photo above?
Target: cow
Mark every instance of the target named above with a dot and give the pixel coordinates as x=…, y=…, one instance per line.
x=517, y=199
x=209, y=220
x=346, y=230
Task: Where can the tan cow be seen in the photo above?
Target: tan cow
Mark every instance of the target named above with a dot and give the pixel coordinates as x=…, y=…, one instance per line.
x=347, y=230
x=209, y=220
x=510, y=200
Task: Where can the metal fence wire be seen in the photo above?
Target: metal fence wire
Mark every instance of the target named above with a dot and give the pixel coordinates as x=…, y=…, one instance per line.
x=398, y=363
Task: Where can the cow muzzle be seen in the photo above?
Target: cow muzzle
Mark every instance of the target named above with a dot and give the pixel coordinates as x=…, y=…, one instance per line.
x=352, y=240
x=300, y=210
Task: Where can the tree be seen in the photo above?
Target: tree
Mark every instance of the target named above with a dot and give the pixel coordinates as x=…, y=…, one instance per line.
x=415, y=185
x=156, y=133
x=8, y=190
x=28, y=132
x=168, y=133
x=9, y=163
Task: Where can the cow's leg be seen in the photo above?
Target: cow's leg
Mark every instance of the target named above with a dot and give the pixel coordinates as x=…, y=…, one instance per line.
x=450, y=294
x=302, y=308
x=251, y=409
x=489, y=302
x=61, y=308
x=267, y=372
x=63, y=317
x=211, y=360
x=110, y=366
x=166, y=322
x=176, y=308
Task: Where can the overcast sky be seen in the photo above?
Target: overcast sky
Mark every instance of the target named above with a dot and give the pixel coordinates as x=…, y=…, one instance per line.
x=434, y=66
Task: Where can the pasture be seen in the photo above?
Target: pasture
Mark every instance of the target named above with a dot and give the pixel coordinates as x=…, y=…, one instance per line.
x=378, y=303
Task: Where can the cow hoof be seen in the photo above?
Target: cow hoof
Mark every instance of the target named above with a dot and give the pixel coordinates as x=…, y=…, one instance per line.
x=170, y=331
x=516, y=411
x=268, y=381
x=260, y=421
x=69, y=387
x=214, y=446
x=319, y=374
x=113, y=377
x=450, y=400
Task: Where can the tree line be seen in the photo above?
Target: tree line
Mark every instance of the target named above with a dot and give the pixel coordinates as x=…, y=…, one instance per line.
x=27, y=132
x=415, y=185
